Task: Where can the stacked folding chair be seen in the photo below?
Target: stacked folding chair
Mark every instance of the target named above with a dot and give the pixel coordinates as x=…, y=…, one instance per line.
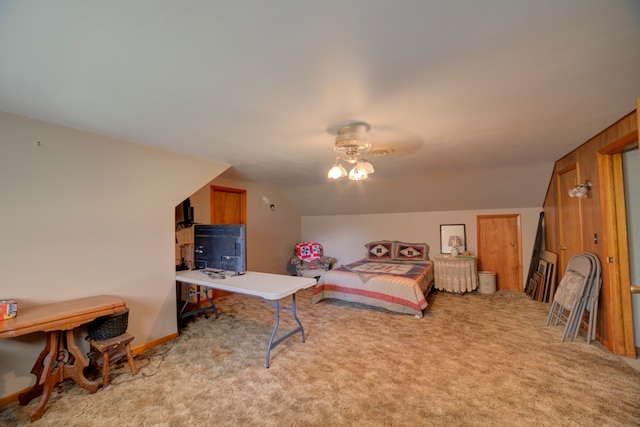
x=569, y=300
x=591, y=301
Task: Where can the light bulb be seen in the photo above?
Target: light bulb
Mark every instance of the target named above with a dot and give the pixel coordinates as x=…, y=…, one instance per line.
x=337, y=172
x=357, y=174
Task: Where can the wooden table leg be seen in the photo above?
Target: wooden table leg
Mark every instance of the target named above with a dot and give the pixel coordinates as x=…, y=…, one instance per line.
x=43, y=363
x=132, y=365
x=46, y=372
x=60, y=359
x=75, y=365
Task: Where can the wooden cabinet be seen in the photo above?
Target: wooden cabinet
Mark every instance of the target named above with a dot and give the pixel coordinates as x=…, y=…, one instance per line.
x=593, y=225
x=570, y=222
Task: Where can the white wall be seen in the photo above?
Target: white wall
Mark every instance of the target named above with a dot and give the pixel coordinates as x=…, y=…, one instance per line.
x=271, y=234
x=344, y=236
x=87, y=215
x=504, y=187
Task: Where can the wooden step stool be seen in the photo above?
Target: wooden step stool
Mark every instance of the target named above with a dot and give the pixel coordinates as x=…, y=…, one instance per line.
x=111, y=350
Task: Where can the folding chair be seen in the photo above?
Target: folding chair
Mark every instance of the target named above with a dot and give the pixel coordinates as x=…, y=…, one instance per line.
x=589, y=300
x=594, y=295
x=566, y=305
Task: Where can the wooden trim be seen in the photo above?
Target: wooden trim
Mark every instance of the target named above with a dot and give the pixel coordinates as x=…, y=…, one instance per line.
x=228, y=189
x=623, y=280
x=621, y=144
x=617, y=293
x=499, y=216
x=607, y=206
x=567, y=169
x=151, y=344
x=13, y=397
x=610, y=269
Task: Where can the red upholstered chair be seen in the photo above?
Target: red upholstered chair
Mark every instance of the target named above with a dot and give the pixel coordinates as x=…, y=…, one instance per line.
x=309, y=260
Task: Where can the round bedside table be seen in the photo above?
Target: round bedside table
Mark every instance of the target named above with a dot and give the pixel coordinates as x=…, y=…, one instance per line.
x=455, y=273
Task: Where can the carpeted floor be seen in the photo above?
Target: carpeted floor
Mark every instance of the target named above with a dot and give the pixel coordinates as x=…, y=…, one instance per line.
x=473, y=360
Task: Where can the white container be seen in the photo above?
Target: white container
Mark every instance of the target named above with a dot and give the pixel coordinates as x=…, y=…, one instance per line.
x=486, y=282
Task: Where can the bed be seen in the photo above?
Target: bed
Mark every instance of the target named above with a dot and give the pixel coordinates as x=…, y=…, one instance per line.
x=395, y=276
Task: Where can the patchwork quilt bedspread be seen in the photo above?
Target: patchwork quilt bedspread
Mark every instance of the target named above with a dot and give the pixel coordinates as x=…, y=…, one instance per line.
x=397, y=286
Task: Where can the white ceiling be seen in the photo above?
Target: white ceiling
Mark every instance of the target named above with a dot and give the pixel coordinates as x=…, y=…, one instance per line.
x=450, y=85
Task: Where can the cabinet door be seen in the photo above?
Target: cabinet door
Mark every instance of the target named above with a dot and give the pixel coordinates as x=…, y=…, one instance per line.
x=570, y=226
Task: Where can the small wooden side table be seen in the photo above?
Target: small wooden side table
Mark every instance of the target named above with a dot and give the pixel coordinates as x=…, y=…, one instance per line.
x=456, y=273
x=111, y=350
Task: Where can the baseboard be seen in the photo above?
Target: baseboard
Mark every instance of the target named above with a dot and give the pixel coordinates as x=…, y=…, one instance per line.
x=11, y=398
x=151, y=344
x=5, y=400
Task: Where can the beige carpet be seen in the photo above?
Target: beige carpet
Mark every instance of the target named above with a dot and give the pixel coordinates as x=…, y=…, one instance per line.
x=474, y=360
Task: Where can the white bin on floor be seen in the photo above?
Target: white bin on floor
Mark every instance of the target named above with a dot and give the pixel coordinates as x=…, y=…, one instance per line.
x=486, y=282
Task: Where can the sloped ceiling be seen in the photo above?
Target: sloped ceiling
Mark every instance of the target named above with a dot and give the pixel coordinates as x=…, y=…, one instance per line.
x=477, y=98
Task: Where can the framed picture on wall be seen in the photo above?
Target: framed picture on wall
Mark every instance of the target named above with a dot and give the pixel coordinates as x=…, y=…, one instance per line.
x=453, y=236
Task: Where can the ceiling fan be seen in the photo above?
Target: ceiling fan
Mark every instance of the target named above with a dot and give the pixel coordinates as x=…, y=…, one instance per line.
x=352, y=143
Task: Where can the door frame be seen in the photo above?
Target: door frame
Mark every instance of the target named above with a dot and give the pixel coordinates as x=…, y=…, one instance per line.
x=616, y=263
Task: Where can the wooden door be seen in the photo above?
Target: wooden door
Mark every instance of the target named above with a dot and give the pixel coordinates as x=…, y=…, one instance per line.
x=228, y=205
x=499, y=249
x=570, y=224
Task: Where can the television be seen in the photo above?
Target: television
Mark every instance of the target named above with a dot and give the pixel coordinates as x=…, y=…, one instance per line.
x=220, y=247
x=184, y=214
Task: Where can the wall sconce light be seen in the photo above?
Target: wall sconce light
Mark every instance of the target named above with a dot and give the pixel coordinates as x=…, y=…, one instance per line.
x=269, y=203
x=581, y=191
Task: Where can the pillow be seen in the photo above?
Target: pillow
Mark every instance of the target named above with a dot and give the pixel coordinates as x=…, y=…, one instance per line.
x=309, y=251
x=411, y=251
x=381, y=250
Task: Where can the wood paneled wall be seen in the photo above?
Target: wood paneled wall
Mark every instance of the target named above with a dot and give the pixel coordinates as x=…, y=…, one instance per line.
x=594, y=219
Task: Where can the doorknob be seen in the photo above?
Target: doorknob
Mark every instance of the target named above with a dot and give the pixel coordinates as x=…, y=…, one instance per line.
x=513, y=244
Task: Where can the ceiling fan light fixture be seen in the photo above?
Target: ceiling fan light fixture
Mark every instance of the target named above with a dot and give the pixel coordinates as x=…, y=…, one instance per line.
x=351, y=141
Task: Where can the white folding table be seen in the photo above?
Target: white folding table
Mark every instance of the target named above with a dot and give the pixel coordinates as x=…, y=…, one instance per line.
x=271, y=287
